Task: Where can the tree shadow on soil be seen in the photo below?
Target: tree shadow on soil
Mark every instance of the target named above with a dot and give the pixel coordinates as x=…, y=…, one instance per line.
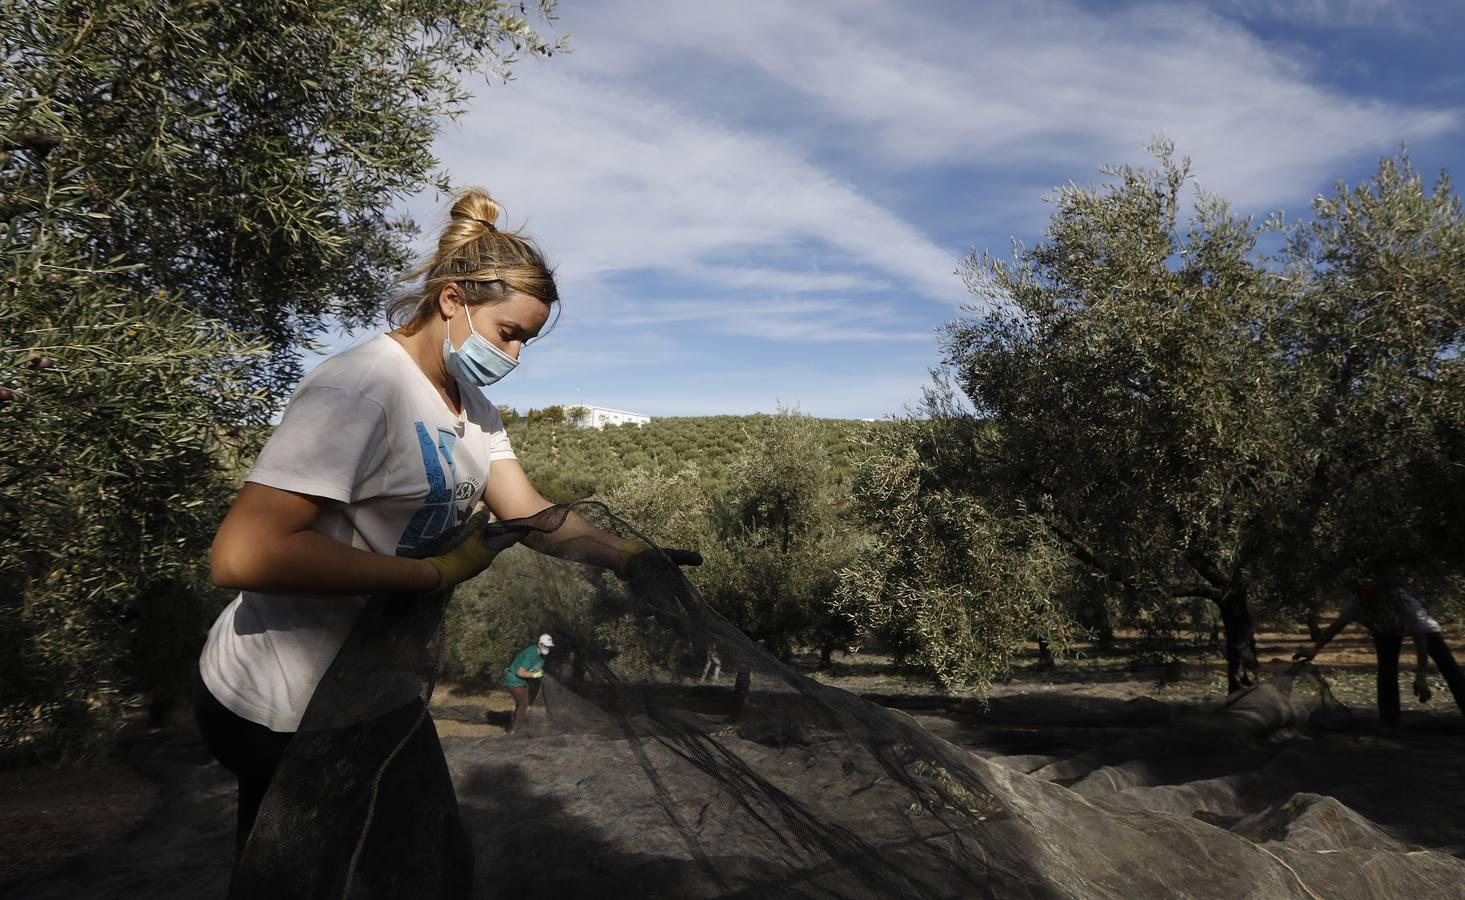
x=182, y=850
x=527, y=843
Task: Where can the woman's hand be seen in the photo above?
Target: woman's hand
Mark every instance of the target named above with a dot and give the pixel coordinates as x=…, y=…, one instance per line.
x=469, y=556
x=636, y=554
x=1421, y=687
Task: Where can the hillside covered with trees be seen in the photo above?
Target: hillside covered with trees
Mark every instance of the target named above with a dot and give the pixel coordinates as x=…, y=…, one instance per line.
x=568, y=463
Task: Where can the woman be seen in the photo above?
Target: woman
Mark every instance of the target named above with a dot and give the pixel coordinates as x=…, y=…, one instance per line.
x=381, y=449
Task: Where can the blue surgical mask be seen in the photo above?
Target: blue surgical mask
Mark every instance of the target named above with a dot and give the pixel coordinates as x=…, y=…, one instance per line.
x=477, y=361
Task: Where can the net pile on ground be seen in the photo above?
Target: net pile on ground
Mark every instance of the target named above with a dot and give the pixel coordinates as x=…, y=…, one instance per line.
x=639, y=782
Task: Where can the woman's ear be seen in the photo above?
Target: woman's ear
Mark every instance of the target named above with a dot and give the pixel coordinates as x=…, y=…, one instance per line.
x=449, y=300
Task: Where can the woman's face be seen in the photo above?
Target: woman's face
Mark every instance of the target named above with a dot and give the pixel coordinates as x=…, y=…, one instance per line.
x=508, y=324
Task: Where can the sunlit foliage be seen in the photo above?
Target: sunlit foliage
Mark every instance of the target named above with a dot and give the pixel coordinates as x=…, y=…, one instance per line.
x=953, y=586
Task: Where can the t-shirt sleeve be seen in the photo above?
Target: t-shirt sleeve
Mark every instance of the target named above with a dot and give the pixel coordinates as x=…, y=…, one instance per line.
x=497, y=436
x=525, y=661
x=329, y=443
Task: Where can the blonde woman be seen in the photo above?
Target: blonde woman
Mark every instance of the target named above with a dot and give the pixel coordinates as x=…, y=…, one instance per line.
x=382, y=448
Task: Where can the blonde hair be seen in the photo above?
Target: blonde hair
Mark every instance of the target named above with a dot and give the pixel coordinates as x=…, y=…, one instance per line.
x=485, y=263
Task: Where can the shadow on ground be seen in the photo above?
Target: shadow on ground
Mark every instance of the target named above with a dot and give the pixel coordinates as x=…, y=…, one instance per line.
x=565, y=809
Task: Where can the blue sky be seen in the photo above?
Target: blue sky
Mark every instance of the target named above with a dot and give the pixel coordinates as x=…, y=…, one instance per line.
x=761, y=203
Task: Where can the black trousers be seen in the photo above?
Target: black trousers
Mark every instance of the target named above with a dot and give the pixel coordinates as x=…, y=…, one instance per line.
x=249, y=750
x=1386, y=646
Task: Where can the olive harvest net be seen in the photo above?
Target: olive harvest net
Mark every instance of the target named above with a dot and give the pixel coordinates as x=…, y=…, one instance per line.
x=638, y=781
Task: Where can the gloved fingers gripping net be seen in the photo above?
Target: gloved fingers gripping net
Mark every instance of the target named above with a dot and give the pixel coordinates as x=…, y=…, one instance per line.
x=642, y=781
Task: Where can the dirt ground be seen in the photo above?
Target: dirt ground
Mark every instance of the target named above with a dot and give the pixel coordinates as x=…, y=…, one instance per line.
x=60, y=827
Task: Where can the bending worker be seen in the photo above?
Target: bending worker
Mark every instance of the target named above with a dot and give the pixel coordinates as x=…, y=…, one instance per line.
x=1389, y=615
x=524, y=676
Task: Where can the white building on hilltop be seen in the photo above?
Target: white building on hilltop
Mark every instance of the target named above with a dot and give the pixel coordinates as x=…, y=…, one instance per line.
x=600, y=416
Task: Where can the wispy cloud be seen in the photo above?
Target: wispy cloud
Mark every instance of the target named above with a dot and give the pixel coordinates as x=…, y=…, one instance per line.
x=1015, y=85
x=619, y=181
x=781, y=319
x=714, y=177
x=1400, y=15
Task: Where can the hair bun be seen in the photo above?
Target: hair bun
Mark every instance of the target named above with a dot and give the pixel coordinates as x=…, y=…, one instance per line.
x=486, y=264
x=475, y=205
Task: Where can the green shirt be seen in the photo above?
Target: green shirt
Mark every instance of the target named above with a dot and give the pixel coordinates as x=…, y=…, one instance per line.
x=529, y=660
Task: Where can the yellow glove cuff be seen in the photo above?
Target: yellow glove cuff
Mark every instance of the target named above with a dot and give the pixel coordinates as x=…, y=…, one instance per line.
x=463, y=561
x=451, y=570
x=629, y=551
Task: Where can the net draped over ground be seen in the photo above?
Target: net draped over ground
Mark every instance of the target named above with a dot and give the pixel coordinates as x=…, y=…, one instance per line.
x=637, y=781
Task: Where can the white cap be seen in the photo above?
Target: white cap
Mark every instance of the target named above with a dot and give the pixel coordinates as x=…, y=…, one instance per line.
x=546, y=641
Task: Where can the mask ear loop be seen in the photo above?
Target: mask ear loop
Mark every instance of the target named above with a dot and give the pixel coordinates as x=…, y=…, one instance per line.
x=463, y=288
x=493, y=276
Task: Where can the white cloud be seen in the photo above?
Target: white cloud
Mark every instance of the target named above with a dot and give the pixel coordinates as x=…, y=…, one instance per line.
x=613, y=180
x=782, y=319
x=617, y=171
x=1399, y=15
x=1018, y=85
x=782, y=171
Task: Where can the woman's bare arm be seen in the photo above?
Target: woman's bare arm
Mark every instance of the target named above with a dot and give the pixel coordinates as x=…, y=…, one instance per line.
x=1421, y=654
x=265, y=544
x=1331, y=632
x=510, y=495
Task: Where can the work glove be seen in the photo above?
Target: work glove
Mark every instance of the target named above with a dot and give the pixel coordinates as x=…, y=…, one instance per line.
x=654, y=592
x=638, y=554
x=1306, y=653
x=1421, y=687
x=472, y=552
x=539, y=674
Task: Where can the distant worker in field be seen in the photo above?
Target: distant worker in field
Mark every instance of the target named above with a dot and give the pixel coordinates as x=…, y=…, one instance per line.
x=524, y=676
x=1389, y=614
x=713, y=670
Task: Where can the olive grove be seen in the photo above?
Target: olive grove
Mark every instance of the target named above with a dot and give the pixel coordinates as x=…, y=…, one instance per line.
x=1187, y=417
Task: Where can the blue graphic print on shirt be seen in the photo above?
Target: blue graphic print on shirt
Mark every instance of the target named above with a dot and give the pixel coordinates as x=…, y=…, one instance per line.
x=443, y=507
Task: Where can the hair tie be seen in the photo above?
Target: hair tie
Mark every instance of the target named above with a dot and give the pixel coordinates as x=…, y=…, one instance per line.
x=485, y=223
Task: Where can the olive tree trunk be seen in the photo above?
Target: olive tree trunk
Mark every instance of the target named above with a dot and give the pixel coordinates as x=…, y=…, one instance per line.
x=1240, y=630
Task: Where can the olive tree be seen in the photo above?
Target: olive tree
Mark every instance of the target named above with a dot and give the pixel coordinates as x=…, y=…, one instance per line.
x=1135, y=391
x=952, y=585
x=670, y=509
x=772, y=543
x=243, y=157
x=1372, y=334
x=1192, y=419
x=780, y=524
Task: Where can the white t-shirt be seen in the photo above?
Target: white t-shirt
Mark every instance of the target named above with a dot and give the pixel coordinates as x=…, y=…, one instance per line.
x=1407, y=616
x=369, y=431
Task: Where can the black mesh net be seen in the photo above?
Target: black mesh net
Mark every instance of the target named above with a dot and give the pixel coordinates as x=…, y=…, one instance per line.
x=636, y=780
